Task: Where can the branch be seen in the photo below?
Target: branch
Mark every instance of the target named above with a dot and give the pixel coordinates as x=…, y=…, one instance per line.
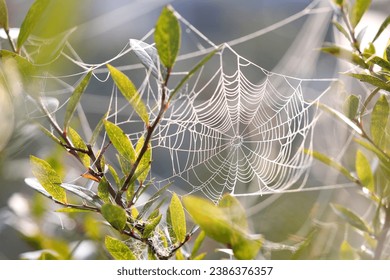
x=149, y=133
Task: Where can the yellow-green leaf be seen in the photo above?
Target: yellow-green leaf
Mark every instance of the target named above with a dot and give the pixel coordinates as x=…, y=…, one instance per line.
x=114, y=174
x=120, y=141
x=97, y=130
x=167, y=37
x=383, y=26
x=79, y=143
x=178, y=218
x=210, y=218
x=347, y=252
x=199, y=257
x=75, y=99
x=351, y=106
x=151, y=225
x=48, y=178
x=3, y=15
x=245, y=247
x=363, y=171
x=351, y=218
x=344, y=54
x=372, y=80
x=33, y=16
x=130, y=92
x=50, y=49
x=338, y=2
x=330, y=162
x=103, y=192
x=341, y=29
x=115, y=215
x=179, y=255
x=234, y=211
x=197, y=243
x=73, y=210
x=358, y=10
x=118, y=249
x=379, y=119
x=144, y=164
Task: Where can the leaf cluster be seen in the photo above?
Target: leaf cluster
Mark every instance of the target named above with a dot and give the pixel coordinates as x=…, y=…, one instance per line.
x=370, y=122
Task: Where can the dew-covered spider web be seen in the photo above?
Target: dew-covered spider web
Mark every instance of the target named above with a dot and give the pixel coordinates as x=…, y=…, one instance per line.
x=239, y=126
x=234, y=127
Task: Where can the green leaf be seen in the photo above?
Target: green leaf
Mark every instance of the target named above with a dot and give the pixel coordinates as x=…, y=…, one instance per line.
x=197, y=243
x=152, y=200
x=48, y=255
x=124, y=164
x=103, y=192
x=75, y=99
x=114, y=175
x=48, y=178
x=115, y=215
x=97, y=130
x=150, y=226
x=339, y=2
x=210, y=218
x=351, y=106
x=33, y=16
x=193, y=71
x=179, y=255
x=130, y=92
x=330, y=162
x=379, y=119
x=381, y=155
x=380, y=62
x=118, y=249
x=121, y=142
x=245, y=247
x=347, y=252
x=358, y=10
x=73, y=210
x=305, y=245
x=49, y=134
x=199, y=257
x=219, y=224
x=387, y=53
x=385, y=23
x=341, y=117
x=79, y=143
x=369, y=51
x=341, y=29
x=145, y=161
x=363, y=171
x=178, y=218
x=3, y=15
x=351, y=218
x=171, y=233
x=167, y=37
x=234, y=211
x=26, y=68
x=50, y=49
x=344, y=54
x=372, y=80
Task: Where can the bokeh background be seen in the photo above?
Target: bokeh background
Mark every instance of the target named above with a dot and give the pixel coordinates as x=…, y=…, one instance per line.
x=104, y=28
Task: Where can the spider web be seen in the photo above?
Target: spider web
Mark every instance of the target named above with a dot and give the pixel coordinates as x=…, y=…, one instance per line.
x=228, y=131
x=234, y=127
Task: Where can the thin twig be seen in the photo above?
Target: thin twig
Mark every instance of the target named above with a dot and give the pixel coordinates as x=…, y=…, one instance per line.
x=149, y=133
x=10, y=41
